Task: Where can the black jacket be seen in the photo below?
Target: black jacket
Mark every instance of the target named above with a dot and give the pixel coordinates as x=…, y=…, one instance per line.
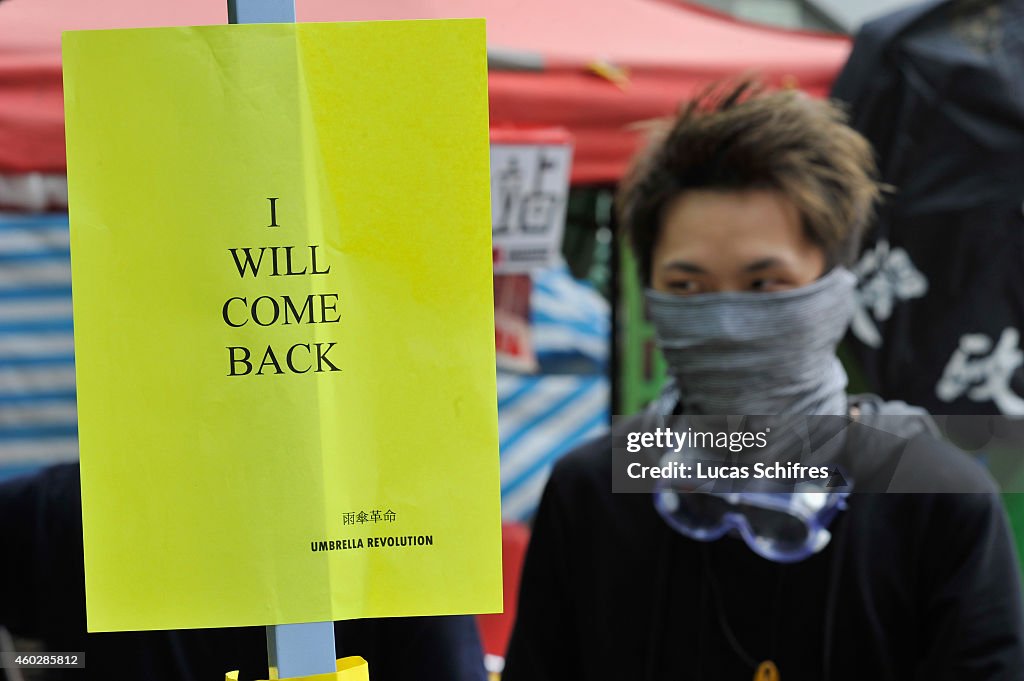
x=913, y=586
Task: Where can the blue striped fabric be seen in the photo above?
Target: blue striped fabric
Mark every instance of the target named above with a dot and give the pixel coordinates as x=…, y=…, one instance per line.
x=540, y=418
x=543, y=416
x=37, y=373
x=570, y=323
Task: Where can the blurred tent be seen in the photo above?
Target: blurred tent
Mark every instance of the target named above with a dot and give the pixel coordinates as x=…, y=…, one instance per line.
x=595, y=68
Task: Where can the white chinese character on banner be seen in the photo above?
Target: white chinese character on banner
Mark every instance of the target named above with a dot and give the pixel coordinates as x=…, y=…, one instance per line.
x=886, y=276
x=984, y=372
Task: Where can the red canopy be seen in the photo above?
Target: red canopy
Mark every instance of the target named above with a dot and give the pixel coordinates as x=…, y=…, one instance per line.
x=546, y=58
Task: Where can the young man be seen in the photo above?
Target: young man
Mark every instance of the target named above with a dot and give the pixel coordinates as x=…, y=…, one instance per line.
x=742, y=215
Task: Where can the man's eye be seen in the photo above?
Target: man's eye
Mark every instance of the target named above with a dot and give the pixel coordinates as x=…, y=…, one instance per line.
x=684, y=286
x=768, y=284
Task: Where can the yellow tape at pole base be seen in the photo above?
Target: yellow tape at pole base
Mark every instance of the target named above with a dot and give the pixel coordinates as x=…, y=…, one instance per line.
x=349, y=669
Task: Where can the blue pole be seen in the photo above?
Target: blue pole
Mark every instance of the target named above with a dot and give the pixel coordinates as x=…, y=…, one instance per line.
x=261, y=11
x=292, y=649
x=301, y=649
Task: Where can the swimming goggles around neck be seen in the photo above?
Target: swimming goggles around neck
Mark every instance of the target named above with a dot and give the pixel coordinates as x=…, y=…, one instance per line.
x=785, y=527
x=782, y=523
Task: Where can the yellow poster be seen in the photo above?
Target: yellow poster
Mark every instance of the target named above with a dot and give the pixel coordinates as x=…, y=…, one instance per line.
x=284, y=336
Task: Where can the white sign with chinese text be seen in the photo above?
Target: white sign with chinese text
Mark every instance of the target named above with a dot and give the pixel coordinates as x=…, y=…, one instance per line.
x=529, y=192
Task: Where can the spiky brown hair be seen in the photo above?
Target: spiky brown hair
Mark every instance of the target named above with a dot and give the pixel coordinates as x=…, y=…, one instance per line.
x=737, y=135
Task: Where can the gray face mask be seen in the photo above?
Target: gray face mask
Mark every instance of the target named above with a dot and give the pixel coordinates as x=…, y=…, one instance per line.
x=757, y=353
